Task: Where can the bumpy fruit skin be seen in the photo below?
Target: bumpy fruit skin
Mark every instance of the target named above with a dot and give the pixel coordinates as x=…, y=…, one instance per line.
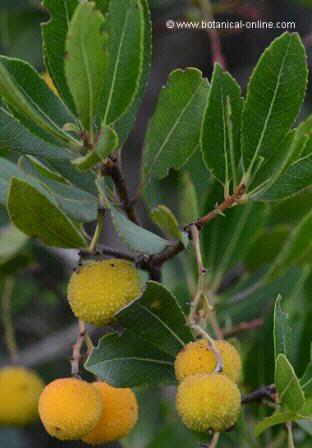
x=20, y=389
x=69, y=408
x=119, y=415
x=197, y=357
x=208, y=402
x=101, y=289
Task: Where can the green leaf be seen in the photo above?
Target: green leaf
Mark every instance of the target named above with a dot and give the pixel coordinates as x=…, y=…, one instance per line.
x=296, y=248
x=137, y=238
x=306, y=411
x=125, y=123
x=74, y=202
x=54, y=37
x=173, y=134
x=150, y=401
x=253, y=299
x=226, y=241
x=38, y=168
x=290, y=393
x=220, y=144
x=303, y=140
x=8, y=170
x=290, y=150
x=162, y=322
x=276, y=419
x=296, y=178
x=11, y=242
x=282, y=331
x=127, y=361
x=187, y=199
x=35, y=214
x=69, y=172
x=126, y=23
x=306, y=425
x=164, y=218
x=86, y=61
x=275, y=93
x=32, y=102
x=78, y=204
x=107, y=143
x=266, y=246
x=174, y=435
x=306, y=379
x=14, y=136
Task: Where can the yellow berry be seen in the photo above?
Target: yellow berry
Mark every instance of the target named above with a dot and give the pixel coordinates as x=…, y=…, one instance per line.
x=69, y=408
x=119, y=415
x=20, y=389
x=197, y=357
x=208, y=402
x=99, y=290
x=47, y=78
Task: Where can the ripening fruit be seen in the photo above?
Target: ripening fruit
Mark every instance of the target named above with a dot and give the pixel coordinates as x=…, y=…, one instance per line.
x=69, y=408
x=208, y=402
x=197, y=357
x=20, y=389
x=101, y=289
x=119, y=415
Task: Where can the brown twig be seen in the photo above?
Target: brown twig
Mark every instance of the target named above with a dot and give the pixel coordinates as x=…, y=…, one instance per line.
x=153, y=263
x=76, y=357
x=168, y=253
x=228, y=202
x=174, y=249
x=243, y=326
x=112, y=169
x=264, y=393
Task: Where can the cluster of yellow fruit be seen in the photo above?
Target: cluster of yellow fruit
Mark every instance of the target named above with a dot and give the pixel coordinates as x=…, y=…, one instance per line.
x=73, y=409
x=100, y=289
x=208, y=400
x=69, y=408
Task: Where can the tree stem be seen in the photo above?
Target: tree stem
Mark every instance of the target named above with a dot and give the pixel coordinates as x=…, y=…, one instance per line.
x=98, y=230
x=199, y=295
x=264, y=393
x=291, y=442
x=215, y=440
x=76, y=357
x=112, y=169
x=227, y=203
x=9, y=333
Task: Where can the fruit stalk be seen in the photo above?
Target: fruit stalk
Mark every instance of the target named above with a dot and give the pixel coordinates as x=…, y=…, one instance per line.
x=76, y=357
x=199, y=294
